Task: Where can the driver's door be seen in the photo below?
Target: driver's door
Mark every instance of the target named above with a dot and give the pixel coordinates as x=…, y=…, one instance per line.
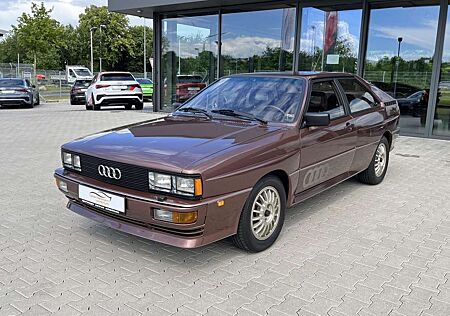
x=326, y=152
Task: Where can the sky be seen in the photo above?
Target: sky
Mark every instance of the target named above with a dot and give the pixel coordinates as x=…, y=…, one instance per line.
x=65, y=11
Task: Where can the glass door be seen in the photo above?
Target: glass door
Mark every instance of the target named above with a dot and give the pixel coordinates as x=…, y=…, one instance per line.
x=400, y=49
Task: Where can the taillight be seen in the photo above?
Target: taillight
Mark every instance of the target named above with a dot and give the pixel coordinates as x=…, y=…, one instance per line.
x=135, y=86
x=22, y=90
x=100, y=86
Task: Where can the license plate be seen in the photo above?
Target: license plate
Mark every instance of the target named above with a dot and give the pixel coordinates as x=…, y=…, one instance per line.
x=8, y=91
x=102, y=200
x=193, y=88
x=83, y=90
x=120, y=88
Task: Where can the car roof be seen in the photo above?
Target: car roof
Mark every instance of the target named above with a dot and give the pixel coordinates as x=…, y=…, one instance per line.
x=115, y=72
x=297, y=74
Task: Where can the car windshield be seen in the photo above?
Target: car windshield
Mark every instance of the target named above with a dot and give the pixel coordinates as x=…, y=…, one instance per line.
x=272, y=99
x=82, y=72
x=144, y=81
x=11, y=83
x=117, y=77
x=82, y=83
x=189, y=79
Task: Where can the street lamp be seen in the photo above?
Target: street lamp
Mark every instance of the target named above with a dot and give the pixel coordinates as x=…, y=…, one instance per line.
x=102, y=26
x=92, y=49
x=145, y=50
x=400, y=40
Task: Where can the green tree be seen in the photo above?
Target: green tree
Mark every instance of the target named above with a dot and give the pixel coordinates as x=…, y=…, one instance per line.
x=113, y=42
x=39, y=37
x=134, y=60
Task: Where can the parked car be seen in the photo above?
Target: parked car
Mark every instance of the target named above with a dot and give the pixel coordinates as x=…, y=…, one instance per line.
x=186, y=87
x=16, y=91
x=147, y=88
x=414, y=103
x=233, y=158
x=114, y=88
x=78, y=90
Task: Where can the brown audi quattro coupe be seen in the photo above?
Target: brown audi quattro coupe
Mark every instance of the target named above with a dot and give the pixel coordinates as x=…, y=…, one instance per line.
x=230, y=160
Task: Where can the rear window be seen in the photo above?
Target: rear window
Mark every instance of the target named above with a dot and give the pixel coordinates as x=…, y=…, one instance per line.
x=11, y=83
x=117, y=77
x=189, y=79
x=144, y=81
x=82, y=83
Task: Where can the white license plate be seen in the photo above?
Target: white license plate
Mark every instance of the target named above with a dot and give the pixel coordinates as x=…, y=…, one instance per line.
x=120, y=88
x=8, y=91
x=193, y=88
x=83, y=90
x=102, y=200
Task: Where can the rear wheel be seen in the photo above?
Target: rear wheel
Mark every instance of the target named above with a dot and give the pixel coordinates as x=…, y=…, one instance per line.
x=377, y=169
x=262, y=218
x=128, y=106
x=139, y=106
x=38, y=100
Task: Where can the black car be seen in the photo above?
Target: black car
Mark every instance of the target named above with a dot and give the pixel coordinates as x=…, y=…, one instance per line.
x=16, y=91
x=77, y=92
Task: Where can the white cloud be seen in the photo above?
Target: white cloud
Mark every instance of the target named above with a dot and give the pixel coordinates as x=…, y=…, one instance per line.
x=65, y=11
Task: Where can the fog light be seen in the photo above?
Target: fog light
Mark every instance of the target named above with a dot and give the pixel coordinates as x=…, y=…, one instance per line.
x=62, y=185
x=175, y=217
x=162, y=215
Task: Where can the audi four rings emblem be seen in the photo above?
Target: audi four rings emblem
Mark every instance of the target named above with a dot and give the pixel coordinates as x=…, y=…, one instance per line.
x=109, y=172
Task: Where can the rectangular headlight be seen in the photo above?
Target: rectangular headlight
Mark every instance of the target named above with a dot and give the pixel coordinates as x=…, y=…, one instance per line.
x=187, y=186
x=175, y=217
x=158, y=181
x=71, y=161
x=67, y=159
x=76, y=161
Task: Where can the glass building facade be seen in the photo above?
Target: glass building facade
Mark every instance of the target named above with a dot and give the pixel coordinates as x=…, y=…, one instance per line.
x=401, y=46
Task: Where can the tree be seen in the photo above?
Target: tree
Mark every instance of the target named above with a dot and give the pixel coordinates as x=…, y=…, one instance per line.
x=39, y=37
x=113, y=42
x=135, y=58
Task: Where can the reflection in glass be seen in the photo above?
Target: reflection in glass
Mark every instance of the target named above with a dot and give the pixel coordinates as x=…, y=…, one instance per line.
x=258, y=41
x=399, y=59
x=189, y=57
x=441, y=124
x=329, y=40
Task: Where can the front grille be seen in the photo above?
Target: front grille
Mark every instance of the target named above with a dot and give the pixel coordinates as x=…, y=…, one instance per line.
x=133, y=177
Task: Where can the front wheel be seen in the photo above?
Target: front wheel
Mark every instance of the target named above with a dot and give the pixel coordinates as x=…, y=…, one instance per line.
x=139, y=106
x=262, y=218
x=377, y=169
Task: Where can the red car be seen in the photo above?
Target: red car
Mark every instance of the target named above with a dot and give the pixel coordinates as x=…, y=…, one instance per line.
x=186, y=87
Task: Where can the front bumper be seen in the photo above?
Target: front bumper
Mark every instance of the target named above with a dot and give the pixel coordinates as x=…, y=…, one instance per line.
x=213, y=223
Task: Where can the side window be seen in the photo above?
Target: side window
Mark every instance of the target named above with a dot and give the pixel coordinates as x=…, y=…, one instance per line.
x=324, y=100
x=359, y=98
x=28, y=83
x=71, y=73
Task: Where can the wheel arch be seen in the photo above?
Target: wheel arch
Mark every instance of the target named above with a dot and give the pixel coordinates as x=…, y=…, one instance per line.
x=388, y=136
x=284, y=178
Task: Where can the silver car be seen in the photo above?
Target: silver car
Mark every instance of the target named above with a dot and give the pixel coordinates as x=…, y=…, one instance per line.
x=16, y=91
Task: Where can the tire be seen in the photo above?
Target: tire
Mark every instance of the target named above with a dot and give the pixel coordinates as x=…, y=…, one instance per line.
x=246, y=237
x=38, y=101
x=139, y=106
x=128, y=106
x=72, y=102
x=31, y=105
x=372, y=175
x=97, y=107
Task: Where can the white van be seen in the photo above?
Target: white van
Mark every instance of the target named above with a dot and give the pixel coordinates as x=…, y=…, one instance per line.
x=74, y=73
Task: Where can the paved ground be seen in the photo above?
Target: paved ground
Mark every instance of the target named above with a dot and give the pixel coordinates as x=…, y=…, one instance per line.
x=353, y=250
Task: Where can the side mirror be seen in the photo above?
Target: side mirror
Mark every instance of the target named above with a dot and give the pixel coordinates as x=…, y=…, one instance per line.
x=316, y=119
x=33, y=86
x=176, y=105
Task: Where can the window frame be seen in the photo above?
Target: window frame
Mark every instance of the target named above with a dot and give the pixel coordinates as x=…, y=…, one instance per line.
x=368, y=90
x=338, y=92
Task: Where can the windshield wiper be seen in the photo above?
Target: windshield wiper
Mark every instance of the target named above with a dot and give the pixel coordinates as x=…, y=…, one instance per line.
x=233, y=113
x=196, y=110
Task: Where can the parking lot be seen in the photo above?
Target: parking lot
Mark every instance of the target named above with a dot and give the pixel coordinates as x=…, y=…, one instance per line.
x=354, y=249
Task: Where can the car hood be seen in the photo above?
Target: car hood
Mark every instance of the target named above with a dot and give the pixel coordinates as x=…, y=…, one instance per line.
x=172, y=143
